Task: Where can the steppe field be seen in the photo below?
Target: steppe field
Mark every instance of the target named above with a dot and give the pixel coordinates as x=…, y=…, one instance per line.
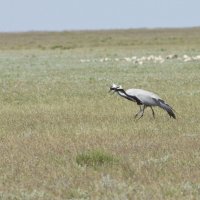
x=63, y=136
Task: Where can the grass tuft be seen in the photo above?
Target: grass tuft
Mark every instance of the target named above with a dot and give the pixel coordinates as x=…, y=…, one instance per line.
x=96, y=158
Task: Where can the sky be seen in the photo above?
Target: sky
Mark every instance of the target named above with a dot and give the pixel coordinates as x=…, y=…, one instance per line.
x=62, y=15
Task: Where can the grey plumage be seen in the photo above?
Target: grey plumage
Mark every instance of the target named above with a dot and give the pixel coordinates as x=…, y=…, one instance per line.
x=144, y=99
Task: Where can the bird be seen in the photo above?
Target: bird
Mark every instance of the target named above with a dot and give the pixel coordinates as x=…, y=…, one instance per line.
x=144, y=99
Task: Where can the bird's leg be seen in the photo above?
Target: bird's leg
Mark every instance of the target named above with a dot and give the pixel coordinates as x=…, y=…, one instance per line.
x=152, y=112
x=142, y=112
x=138, y=111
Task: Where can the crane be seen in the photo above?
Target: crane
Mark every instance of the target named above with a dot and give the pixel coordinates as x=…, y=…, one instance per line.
x=144, y=99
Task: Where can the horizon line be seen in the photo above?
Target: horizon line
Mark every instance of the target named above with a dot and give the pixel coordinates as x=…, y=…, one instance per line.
x=100, y=29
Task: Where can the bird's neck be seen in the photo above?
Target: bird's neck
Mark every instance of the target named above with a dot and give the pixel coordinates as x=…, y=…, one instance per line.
x=122, y=93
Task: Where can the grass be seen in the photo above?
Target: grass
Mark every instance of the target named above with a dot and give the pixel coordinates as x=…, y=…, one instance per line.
x=95, y=158
x=56, y=114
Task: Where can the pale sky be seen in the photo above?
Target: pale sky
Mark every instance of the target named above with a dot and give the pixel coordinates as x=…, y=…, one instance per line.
x=59, y=15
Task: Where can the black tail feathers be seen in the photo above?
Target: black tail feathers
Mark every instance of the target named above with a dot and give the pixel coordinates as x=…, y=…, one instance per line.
x=167, y=108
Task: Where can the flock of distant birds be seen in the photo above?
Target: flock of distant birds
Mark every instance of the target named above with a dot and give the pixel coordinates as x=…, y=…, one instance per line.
x=144, y=98
x=145, y=59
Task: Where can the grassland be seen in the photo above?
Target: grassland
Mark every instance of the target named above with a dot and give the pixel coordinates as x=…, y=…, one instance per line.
x=62, y=136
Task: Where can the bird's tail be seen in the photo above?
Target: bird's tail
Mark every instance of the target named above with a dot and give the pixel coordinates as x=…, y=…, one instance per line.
x=167, y=108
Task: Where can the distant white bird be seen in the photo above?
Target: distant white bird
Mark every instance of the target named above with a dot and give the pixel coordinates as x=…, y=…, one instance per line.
x=144, y=99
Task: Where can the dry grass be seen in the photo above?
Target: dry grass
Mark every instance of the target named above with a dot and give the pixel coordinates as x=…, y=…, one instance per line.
x=138, y=38
x=55, y=109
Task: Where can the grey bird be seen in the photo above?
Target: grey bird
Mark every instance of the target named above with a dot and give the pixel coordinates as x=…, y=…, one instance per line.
x=144, y=99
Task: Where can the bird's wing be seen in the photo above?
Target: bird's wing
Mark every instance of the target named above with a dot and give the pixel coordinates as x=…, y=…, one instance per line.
x=147, y=93
x=132, y=96
x=145, y=97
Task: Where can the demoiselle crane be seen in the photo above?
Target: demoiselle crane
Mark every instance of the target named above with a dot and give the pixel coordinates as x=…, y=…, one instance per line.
x=144, y=99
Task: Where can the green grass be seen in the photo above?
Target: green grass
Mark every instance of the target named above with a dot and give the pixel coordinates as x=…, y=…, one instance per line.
x=63, y=136
x=95, y=158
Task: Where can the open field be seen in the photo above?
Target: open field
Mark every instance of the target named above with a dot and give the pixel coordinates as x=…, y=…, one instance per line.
x=63, y=136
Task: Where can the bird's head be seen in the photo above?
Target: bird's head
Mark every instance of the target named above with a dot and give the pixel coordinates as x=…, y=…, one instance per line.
x=115, y=88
